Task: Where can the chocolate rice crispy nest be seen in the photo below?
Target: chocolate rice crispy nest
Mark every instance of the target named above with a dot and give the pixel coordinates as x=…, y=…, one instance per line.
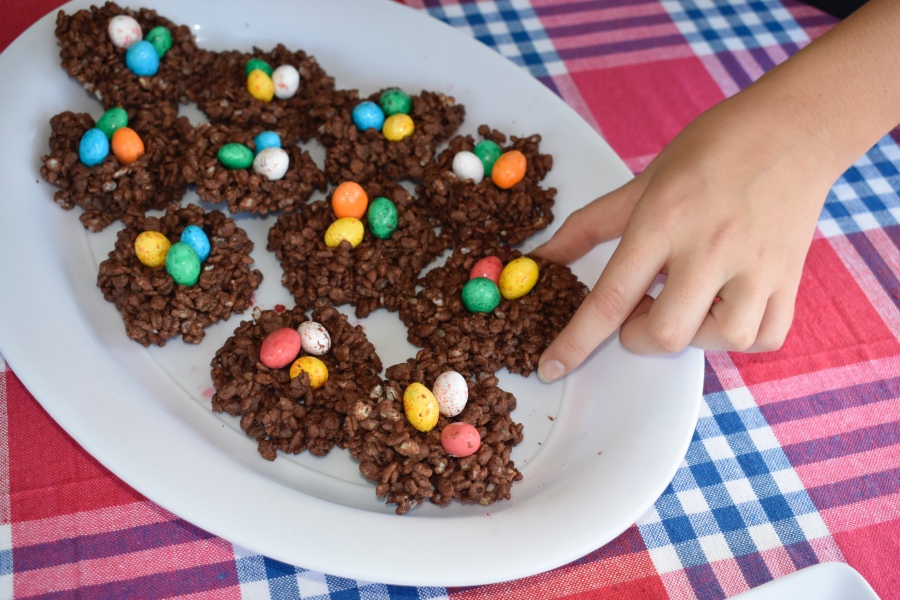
x=376, y=274
x=286, y=414
x=155, y=308
x=111, y=190
x=88, y=56
x=514, y=335
x=468, y=211
x=243, y=190
x=354, y=155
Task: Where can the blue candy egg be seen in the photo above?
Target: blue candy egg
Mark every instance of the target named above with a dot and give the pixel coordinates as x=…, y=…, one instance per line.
x=93, y=148
x=197, y=239
x=142, y=59
x=368, y=115
x=267, y=139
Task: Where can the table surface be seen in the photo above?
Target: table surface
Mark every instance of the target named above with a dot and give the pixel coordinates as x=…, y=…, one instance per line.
x=796, y=455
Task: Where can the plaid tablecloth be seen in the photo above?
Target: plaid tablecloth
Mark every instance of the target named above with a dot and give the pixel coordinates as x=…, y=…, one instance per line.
x=796, y=456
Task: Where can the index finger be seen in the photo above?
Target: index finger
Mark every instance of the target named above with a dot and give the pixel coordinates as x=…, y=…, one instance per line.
x=629, y=274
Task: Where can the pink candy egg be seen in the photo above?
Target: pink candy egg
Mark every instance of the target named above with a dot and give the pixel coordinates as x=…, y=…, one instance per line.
x=460, y=439
x=451, y=392
x=489, y=266
x=280, y=348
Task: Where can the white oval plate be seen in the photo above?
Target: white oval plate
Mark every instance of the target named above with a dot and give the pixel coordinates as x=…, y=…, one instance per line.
x=599, y=447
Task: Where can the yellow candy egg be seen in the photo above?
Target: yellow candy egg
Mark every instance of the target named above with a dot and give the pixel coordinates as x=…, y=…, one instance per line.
x=347, y=228
x=260, y=85
x=151, y=248
x=398, y=126
x=312, y=366
x=518, y=277
x=421, y=407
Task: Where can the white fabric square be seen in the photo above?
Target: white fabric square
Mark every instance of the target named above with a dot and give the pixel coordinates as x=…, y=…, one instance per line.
x=715, y=547
x=741, y=398
x=665, y=559
x=693, y=502
x=880, y=186
x=649, y=517
x=255, y=590
x=763, y=438
x=741, y=491
x=830, y=228
x=312, y=583
x=866, y=221
x=764, y=536
x=718, y=448
x=843, y=191
x=787, y=480
x=812, y=525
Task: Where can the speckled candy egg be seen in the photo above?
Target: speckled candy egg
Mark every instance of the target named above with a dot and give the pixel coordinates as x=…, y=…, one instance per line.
x=271, y=163
x=489, y=266
x=398, y=126
x=312, y=366
x=235, y=156
x=460, y=439
x=480, y=295
x=161, y=40
x=468, y=166
x=197, y=239
x=488, y=152
x=151, y=248
x=280, y=348
x=314, y=338
x=266, y=139
x=368, y=115
x=383, y=218
x=509, y=169
x=394, y=101
x=451, y=392
x=93, y=147
x=421, y=407
x=142, y=59
x=112, y=120
x=349, y=199
x=518, y=277
x=258, y=64
x=124, y=31
x=183, y=264
x=348, y=229
x=260, y=85
x=127, y=145
x=286, y=79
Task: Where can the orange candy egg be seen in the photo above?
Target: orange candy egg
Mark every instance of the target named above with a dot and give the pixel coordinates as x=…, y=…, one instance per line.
x=349, y=200
x=127, y=145
x=509, y=169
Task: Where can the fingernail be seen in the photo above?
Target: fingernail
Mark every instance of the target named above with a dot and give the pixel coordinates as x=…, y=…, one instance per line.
x=550, y=370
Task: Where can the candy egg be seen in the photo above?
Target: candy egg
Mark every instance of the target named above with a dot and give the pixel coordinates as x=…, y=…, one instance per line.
x=349, y=200
x=509, y=169
x=142, y=59
x=451, y=392
x=348, y=229
x=235, y=156
x=124, y=31
x=127, y=145
x=161, y=40
x=271, y=163
x=489, y=266
x=312, y=366
x=111, y=120
x=314, y=338
x=93, y=147
x=398, y=126
x=460, y=439
x=480, y=295
x=260, y=85
x=488, y=152
x=151, y=248
x=266, y=139
x=286, y=79
x=394, y=101
x=468, y=166
x=368, y=115
x=420, y=406
x=518, y=277
x=280, y=348
x=183, y=264
x=197, y=239
x=257, y=64
x=383, y=218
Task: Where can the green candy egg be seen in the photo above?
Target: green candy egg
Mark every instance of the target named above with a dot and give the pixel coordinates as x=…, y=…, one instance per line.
x=161, y=40
x=480, y=295
x=183, y=264
x=258, y=63
x=235, y=156
x=488, y=152
x=383, y=219
x=113, y=119
x=394, y=101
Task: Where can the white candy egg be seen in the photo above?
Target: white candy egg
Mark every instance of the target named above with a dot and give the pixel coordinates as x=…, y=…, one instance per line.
x=452, y=392
x=468, y=166
x=124, y=31
x=314, y=338
x=271, y=163
x=287, y=81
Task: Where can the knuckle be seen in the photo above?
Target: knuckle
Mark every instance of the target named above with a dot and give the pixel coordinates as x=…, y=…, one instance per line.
x=669, y=338
x=739, y=338
x=770, y=341
x=610, y=303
